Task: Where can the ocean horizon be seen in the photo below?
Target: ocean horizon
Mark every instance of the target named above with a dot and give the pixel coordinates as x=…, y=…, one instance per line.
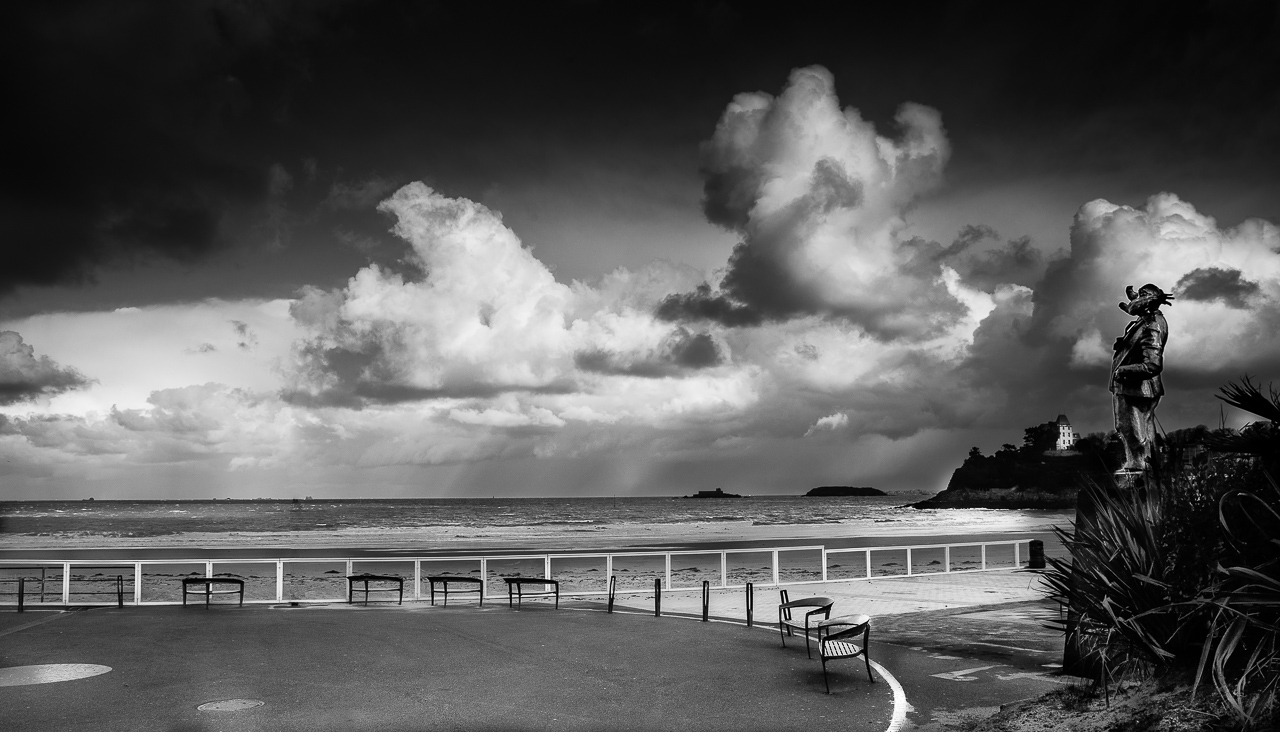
x=453, y=524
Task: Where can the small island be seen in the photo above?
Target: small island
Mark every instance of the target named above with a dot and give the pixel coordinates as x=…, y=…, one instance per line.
x=836, y=491
x=717, y=493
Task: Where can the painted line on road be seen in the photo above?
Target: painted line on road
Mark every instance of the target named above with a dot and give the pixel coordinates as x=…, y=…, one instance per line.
x=963, y=674
x=56, y=614
x=1013, y=648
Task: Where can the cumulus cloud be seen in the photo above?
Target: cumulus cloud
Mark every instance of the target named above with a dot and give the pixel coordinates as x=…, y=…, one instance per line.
x=818, y=198
x=484, y=317
x=1047, y=348
x=1167, y=242
x=24, y=377
x=831, y=422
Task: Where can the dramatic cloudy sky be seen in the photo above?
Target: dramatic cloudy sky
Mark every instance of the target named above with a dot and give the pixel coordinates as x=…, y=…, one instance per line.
x=589, y=248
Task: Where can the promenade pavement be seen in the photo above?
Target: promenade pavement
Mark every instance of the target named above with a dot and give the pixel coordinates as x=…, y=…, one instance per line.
x=945, y=647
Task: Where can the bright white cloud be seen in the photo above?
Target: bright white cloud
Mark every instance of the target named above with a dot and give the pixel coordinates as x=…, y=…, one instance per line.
x=831, y=422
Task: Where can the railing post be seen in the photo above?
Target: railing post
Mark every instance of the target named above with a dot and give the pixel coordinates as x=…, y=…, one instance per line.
x=724, y=569
x=946, y=557
x=775, y=567
x=823, y=556
x=1017, y=555
x=66, y=584
x=417, y=580
x=908, y=561
x=279, y=580
x=751, y=602
x=668, y=570
x=613, y=583
x=546, y=566
x=484, y=575
x=868, y=564
x=984, y=556
x=608, y=569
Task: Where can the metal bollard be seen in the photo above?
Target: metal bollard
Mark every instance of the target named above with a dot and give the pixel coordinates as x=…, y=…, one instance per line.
x=613, y=588
x=706, y=599
x=22, y=586
x=1036, y=558
x=657, y=597
x=751, y=602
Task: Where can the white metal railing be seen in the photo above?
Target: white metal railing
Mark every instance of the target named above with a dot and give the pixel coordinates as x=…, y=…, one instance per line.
x=796, y=570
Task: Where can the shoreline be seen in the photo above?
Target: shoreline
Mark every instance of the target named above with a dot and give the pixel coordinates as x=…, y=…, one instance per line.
x=158, y=551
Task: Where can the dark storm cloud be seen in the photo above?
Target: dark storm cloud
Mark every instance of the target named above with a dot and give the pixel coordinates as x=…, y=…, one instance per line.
x=24, y=377
x=136, y=131
x=682, y=351
x=355, y=377
x=1227, y=286
x=1016, y=261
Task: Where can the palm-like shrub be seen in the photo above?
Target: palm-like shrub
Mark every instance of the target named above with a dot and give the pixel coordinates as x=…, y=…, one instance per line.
x=1122, y=582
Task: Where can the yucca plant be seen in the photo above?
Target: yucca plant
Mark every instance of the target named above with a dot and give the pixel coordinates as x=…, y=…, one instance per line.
x=1116, y=582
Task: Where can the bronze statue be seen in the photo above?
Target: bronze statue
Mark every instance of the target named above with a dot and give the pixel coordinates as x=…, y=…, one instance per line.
x=1136, y=365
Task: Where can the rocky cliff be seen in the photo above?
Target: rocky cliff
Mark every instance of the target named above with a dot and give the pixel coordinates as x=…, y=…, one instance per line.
x=1018, y=480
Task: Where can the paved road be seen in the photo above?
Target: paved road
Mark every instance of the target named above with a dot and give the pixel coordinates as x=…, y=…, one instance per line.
x=417, y=667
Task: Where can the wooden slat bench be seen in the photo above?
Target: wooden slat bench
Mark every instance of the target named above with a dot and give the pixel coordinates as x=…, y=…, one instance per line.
x=515, y=588
x=205, y=586
x=383, y=578
x=444, y=581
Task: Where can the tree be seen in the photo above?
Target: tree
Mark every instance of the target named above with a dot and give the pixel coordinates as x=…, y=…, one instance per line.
x=1041, y=438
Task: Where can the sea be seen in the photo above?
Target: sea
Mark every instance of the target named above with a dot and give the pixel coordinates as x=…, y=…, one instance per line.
x=571, y=523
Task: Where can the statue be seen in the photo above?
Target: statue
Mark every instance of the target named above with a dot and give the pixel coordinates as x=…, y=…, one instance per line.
x=1135, y=374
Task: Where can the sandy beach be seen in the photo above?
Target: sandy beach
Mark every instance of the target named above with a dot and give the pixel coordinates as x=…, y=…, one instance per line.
x=316, y=570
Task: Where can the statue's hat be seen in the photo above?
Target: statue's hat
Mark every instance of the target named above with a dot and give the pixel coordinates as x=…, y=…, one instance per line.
x=1147, y=297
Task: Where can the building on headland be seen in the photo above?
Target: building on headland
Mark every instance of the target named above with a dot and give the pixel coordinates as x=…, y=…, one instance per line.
x=1066, y=436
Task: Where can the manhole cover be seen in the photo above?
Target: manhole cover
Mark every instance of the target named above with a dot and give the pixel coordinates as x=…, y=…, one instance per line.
x=48, y=673
x=229, y=705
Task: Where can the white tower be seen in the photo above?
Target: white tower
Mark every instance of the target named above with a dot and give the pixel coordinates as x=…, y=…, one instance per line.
x=1066, y=437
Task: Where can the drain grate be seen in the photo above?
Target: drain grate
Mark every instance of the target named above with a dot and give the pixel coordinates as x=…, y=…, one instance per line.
x=229, y=705
x=48, y=673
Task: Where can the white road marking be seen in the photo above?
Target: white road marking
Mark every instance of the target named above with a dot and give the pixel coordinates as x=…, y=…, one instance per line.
x=963, y=674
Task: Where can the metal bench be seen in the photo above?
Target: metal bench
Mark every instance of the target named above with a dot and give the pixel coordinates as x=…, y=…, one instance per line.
x=444, y=581
x=838, y=643
x=367, y=578
x=515, y=588
x=821, y=606
x=205, y=586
